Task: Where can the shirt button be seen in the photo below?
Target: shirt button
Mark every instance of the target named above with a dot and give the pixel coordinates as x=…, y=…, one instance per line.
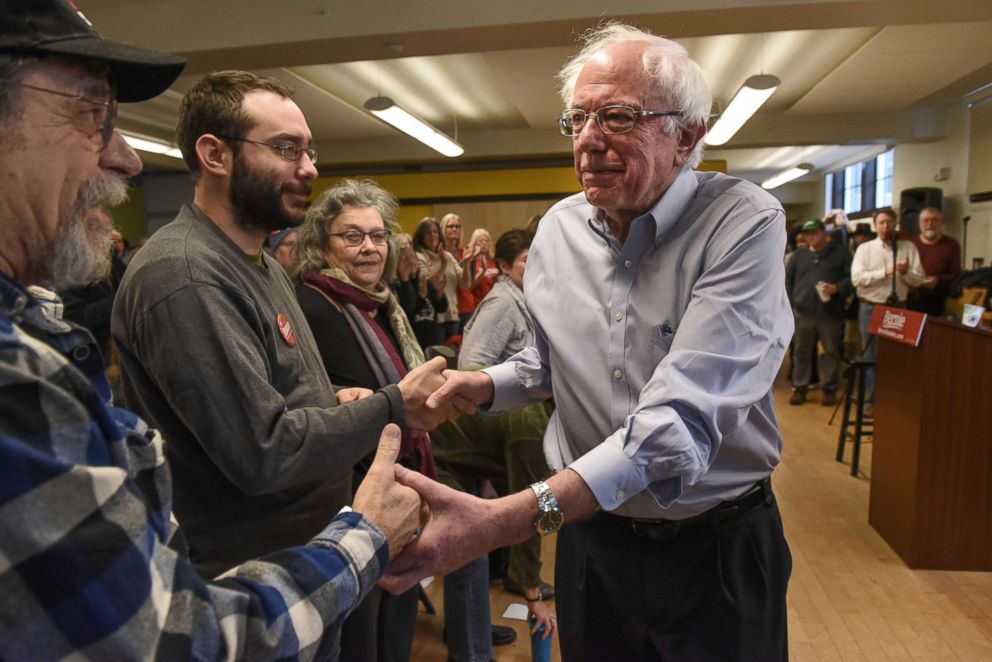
x=618, y=374
x=628, y=264
x=619, y=495
x=619, y=316
x=81, y=353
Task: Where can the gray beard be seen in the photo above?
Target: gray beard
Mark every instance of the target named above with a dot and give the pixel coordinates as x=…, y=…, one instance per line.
x=931, y=235
x=81, y=251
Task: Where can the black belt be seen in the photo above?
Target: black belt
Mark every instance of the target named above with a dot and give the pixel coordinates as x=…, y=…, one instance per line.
x=666, y=529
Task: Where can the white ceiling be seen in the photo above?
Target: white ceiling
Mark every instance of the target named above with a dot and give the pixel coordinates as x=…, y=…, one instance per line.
x=855, y=75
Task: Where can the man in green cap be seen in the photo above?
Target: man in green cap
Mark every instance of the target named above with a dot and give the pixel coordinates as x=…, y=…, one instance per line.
x=818, y=280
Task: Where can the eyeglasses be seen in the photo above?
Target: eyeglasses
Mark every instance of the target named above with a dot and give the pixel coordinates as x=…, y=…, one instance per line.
x=355, y=238
x=104, y=112
x=288, y=151
x=612, y=120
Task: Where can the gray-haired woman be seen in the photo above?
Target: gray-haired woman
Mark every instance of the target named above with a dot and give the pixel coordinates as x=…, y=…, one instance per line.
x=365, y=340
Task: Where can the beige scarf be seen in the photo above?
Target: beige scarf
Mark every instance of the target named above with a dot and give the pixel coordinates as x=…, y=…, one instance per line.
x=398, y=322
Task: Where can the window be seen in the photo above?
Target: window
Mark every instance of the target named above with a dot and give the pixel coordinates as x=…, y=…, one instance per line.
x=852, y=187
x=883, y=179
x=861, y=186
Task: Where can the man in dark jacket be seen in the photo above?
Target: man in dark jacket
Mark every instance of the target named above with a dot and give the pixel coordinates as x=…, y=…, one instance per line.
x=818, y=280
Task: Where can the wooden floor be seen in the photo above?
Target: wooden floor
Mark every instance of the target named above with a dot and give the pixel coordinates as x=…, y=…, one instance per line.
x=850, y=597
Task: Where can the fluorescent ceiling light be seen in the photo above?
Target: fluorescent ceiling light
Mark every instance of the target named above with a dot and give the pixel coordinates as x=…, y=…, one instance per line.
x=745, y=103
x=151, y=145
x=385, y=109
x=787, y=176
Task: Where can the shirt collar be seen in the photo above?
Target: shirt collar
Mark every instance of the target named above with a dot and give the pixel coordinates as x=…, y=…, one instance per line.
x=20, y=306
x=665, y=213
x=257, y=259
x=673, y=202
x=13, y=298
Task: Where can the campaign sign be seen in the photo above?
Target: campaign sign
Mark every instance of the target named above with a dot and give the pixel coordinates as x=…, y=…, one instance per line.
x=905, y=326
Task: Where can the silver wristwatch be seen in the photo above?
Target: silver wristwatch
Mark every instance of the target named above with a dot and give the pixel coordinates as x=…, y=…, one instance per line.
x=549, y=516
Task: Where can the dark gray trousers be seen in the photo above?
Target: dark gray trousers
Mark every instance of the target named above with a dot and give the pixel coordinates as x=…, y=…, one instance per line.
x=830, y=332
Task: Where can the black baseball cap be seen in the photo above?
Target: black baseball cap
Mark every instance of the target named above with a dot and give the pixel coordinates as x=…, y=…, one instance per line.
x=57, y=27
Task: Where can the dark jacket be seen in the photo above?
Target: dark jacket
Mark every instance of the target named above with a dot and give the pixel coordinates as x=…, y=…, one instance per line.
x=806, y=269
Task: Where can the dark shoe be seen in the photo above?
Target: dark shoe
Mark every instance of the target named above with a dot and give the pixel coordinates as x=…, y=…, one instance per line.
x=503, y=635
x=829, y=398
x=546, y=590
x=798, y=397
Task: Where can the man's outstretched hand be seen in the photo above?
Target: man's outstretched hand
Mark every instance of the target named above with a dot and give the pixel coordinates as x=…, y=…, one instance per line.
x=432, y=395
x=416, y=386
x=393, y=507
x=463, y=391
x=461, y=528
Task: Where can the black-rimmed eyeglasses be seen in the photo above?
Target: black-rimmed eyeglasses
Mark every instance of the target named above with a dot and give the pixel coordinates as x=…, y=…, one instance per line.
x=355, y=238
x=612, y=119
x=104, y=112
x=288, y=151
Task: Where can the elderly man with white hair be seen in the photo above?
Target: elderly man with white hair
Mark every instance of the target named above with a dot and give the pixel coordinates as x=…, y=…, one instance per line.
x=661, y=320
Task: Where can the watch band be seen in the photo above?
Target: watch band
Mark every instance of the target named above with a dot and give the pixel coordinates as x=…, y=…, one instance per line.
x=549, y=516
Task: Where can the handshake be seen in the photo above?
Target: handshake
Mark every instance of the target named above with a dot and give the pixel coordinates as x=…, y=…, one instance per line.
x=401, y=502
x=432, y=394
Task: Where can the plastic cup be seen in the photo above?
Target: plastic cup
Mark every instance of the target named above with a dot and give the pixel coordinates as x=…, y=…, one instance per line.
x=821, y=290
x=540, y=649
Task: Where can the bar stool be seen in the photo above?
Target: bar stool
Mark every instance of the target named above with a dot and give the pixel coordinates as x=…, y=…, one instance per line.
x=863, y=424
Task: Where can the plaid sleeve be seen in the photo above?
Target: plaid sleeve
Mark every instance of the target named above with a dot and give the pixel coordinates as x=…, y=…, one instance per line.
x=86, y=567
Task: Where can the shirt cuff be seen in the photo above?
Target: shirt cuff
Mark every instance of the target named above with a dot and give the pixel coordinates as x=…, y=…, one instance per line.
x=507, y=393
x=610, y=474
x=361, y=542
x=396, y=411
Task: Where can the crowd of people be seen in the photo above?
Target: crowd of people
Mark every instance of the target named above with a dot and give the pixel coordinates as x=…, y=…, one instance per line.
x=839, y=276
x=281, y=444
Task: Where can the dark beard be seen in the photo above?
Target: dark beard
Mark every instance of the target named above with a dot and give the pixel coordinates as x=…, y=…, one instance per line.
x=257, y=199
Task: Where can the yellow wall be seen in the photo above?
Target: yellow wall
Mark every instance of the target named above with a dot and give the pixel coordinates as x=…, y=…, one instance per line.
x=421, y=193
x=429, y=186
x=130, y=216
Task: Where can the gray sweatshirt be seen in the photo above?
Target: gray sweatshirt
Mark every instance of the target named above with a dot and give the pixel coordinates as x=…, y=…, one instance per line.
x=215, y=351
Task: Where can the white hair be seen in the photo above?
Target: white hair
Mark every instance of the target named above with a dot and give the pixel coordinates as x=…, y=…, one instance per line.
x=80, y=254
x=676, y=75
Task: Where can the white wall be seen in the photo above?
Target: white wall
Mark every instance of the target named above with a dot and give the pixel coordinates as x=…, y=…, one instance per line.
x=979, y=234
x=917, y=164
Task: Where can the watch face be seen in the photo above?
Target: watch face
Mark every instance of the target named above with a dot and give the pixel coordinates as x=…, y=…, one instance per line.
x=550, y=521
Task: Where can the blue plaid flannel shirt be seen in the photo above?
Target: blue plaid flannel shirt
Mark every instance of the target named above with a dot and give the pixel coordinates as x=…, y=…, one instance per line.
x=91, y=562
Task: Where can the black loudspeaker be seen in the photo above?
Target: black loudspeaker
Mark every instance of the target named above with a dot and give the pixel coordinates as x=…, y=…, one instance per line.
x=914, y=200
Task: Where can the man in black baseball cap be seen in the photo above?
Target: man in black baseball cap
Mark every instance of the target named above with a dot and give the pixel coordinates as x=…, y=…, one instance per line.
x=91, y=564
x=58, y=27
x=60, y=83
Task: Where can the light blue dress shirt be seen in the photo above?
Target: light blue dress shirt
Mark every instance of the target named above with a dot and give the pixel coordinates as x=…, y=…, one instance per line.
x=660, y=352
